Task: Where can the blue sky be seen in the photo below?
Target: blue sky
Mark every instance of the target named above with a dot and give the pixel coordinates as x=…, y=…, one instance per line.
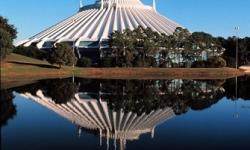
x=218, y=17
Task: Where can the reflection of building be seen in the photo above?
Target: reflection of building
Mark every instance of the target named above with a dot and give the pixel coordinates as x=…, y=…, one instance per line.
x=92, y=25
x=93, y=115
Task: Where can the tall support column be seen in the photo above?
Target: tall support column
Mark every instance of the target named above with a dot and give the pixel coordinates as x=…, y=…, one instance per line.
x=115, y=145
x=107, y=139
x=100, y=130
x=79, y=132
x=153, y=133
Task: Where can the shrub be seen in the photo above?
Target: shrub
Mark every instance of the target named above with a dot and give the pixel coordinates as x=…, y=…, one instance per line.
x=175, y=65
x=230, y=61
x=215, y=62
x=199, y=64
x=107, y=62
x=30, y=51
x=138, y=62
x=151, y=62
x=84, y=62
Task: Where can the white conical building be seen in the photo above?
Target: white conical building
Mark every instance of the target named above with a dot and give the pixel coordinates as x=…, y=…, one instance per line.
x=92, y=25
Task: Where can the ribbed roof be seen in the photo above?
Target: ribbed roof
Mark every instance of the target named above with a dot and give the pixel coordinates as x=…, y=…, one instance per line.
x=96, y=22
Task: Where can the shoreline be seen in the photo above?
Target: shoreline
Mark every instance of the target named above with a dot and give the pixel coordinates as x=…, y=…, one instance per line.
x=25, y=78
x=158, y=73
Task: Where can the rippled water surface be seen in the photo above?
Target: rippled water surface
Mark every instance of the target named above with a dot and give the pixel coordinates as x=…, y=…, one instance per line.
x=93, y=114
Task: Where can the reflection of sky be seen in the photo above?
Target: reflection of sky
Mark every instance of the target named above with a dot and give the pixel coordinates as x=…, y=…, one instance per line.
x=214, y=127
x=38, y=128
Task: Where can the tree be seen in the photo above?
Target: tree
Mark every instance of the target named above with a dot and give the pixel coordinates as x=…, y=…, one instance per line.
x=8, y=27
x=5, y=43
x=165, y=50
x=122, y=47
x=180, y=41
x=84, y=62
x=62, y=54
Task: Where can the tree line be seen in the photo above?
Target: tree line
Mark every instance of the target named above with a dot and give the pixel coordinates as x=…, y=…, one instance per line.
x=147, y=48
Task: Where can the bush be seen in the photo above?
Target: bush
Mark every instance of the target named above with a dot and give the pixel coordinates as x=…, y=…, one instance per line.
x=84, y=62
x=138, y=62
x=199, y=64
x=30, y=51
x=175, y=65
x=107, y=62
x=5, y=43
x=149, y=62
x=230, y=61
x=215, y=62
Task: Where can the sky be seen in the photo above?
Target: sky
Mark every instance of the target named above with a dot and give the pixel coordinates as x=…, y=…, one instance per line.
x=217, y=17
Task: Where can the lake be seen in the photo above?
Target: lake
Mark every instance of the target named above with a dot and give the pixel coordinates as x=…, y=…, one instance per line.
x=91, y=114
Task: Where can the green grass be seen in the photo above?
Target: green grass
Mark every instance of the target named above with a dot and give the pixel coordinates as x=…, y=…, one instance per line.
x=21, y=58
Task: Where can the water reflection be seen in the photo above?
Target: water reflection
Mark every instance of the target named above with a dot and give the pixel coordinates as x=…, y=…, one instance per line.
x=123, y=110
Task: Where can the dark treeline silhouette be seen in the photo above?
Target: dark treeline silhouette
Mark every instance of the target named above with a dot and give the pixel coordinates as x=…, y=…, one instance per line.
x=230, y=53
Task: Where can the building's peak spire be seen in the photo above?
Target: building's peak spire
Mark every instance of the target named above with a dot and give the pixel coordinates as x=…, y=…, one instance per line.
x=154, y=5
x=80, y=4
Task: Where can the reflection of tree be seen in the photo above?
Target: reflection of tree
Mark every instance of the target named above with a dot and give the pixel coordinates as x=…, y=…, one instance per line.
x=243, y=88
x=8, y=109
x=59, y=90
x=145, y=96
x=186, y=94
x=135, y=96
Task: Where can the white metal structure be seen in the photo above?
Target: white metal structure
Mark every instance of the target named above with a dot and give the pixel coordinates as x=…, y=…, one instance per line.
x=94, y=115
x=95, y=23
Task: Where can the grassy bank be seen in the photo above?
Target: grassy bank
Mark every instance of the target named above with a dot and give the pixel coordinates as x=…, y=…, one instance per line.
x=158, y=73
x=22, y=69
x=17, y=67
